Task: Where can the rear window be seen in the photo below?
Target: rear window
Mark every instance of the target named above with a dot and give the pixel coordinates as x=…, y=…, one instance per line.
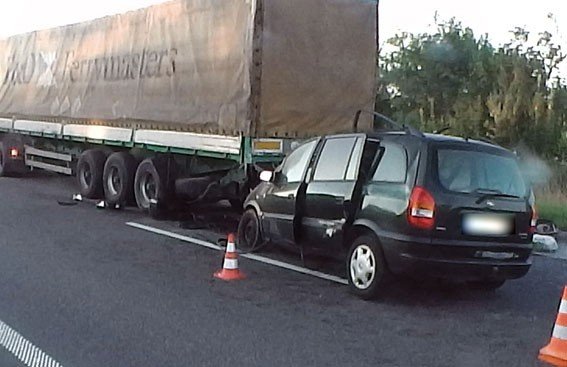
x=393, y=166
x=467, y=171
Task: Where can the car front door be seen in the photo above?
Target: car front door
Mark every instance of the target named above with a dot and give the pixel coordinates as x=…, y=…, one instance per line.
x=332, y=183
x=279, y=205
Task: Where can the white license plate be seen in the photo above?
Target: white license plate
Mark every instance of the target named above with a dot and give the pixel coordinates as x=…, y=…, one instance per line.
x=487, y=224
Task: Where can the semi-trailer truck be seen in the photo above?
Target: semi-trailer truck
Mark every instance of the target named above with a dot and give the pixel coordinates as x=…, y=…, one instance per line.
x=187, y=100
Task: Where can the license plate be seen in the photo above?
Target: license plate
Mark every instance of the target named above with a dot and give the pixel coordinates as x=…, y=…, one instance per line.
x=488, y=224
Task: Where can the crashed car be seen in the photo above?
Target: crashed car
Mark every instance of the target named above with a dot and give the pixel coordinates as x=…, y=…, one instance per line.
x=399, y=202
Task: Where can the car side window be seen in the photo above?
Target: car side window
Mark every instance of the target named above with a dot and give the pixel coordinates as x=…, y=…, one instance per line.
x=296, y=162
x=393, y=166
x=334, y=159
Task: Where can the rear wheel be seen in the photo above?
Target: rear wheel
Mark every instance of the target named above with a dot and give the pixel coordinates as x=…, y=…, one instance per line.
x=150, y=188
x=366, y=268
x=249, y=236
x=90, y=169
x=118, y=178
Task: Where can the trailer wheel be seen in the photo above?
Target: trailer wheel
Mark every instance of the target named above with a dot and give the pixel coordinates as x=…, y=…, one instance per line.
x=118, y=178
x=90, y=169
x=150, y=188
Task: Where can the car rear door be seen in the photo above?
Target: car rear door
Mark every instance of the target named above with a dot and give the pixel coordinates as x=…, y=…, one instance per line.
x=330, y=189
x=481, y=196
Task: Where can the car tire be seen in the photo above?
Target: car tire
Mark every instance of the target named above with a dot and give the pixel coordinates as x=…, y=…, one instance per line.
x=150, y=188
x=367, y=271
x=249, y=236
x=487, y=285
x=90, y=169
x=118, y=179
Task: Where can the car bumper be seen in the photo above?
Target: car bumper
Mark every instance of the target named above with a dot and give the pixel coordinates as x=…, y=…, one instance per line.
x=459, y=261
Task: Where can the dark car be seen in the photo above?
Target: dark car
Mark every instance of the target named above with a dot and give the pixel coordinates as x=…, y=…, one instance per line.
x=399, y=202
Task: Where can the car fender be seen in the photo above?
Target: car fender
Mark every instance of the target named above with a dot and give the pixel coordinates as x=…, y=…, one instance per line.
x=368, y=224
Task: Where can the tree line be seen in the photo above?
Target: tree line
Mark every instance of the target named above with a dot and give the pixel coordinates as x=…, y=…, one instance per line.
x=452, y=79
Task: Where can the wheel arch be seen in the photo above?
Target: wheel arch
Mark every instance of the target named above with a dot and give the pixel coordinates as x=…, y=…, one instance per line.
x=358, y=228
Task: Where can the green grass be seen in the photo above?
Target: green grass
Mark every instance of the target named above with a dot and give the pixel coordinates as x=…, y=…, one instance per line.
x=553, y=210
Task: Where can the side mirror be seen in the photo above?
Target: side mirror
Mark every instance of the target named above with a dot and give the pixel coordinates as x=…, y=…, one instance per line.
x=266, y=176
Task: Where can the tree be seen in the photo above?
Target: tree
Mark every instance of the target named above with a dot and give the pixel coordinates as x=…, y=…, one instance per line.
x=452, y=78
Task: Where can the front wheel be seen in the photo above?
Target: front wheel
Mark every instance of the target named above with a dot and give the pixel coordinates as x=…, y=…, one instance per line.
x=249, y=235
x=366, y=268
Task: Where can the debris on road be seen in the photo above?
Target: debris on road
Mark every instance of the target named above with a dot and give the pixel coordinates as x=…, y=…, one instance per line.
x=546, y=227
x=545, y=243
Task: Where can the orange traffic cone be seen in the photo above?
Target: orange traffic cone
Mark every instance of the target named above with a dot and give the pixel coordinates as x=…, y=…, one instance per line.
x=556, y=351
x=230, y=269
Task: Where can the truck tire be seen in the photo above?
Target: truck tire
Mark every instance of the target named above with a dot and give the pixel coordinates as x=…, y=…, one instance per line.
x=118, y=179
x=90, y=169
x=150, y=188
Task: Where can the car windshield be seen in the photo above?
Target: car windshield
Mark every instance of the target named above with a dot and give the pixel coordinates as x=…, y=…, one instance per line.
x=469, y=171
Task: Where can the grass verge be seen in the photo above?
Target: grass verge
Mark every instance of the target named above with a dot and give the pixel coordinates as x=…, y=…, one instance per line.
x=553, y=210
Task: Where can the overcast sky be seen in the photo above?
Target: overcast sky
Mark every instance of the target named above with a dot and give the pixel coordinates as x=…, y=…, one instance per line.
x=495, y=17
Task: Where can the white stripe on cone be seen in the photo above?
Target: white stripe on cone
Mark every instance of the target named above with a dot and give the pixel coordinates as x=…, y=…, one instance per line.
x=563, y=306
x=560, y=332
x=230, y=264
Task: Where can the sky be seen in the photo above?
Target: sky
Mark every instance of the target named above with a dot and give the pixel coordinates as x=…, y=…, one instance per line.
x=495, y=17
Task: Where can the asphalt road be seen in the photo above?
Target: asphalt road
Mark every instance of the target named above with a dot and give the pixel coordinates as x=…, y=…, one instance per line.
x=90, y=291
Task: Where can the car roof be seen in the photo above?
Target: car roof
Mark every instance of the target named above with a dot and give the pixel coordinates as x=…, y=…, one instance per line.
x=429, y=137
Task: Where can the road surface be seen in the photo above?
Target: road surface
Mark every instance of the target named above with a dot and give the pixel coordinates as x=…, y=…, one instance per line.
x=90, y=291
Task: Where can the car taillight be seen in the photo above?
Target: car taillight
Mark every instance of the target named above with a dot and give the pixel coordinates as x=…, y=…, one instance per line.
x=533, y=222
x=421, y=209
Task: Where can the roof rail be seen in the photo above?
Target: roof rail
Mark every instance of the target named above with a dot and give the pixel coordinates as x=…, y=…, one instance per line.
x=486, y=140
x=400, y=127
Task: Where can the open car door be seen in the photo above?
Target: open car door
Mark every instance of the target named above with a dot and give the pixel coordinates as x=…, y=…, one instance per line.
x=280, y=205
x=332, y=189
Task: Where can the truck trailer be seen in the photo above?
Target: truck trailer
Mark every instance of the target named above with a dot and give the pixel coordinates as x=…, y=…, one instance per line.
x=187, y=100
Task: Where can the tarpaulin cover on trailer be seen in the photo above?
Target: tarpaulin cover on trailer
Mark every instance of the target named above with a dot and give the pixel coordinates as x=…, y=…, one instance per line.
x=179, y=63
x=188, y=65
x=319, y=65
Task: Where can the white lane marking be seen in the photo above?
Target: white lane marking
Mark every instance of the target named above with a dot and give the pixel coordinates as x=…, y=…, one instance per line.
x=24, y=350
x=258, y=258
